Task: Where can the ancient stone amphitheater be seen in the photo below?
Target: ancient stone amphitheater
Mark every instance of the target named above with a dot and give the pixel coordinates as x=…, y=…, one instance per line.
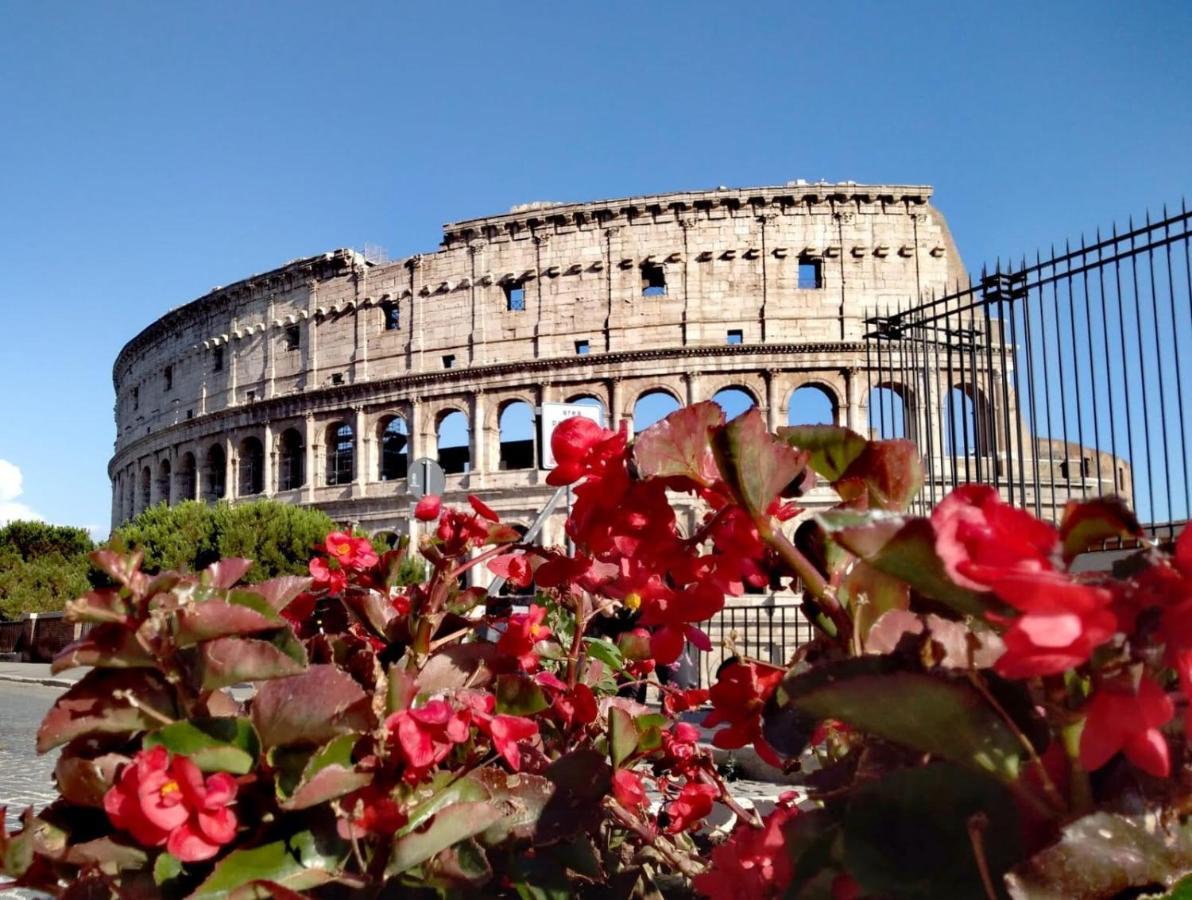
x=320, y=381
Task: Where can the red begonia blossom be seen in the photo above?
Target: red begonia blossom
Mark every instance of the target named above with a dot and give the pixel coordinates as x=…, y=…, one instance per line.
x=691, y=806
x=371, y=810
x=1127, y=721
x=350, y=552
x=506, y=732
x=980, y=538
x=576, y=707
x=522, y=632
x=582, y=448
x=334, y=581
x=163, y=801
x=482, y=509
x=1062, y=622
x=753, y=864
x=426, y=735
x=428, y=508
x=738, y=698
x=514, y=568
x=628, y=789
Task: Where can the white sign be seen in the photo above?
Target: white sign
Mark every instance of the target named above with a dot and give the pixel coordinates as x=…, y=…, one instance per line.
x=553, y=414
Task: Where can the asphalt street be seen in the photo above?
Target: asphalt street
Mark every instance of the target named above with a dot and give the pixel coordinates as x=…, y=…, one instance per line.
x=24, y=776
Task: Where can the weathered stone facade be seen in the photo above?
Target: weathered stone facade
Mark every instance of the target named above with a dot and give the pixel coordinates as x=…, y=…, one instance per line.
x=247, y=390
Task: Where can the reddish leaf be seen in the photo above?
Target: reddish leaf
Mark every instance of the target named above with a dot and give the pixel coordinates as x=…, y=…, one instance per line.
x=310, y=708
x=457, y=665
x=328, y=774
x=1086, y=525
x=98, y=606
x=832, y=448
x=279, y=592
x=887, y=475
x=119, y=566
x=241, y=613
x=755, y=464
x=230, y=660
x=870, y=593
x=679, y=446
x=109, y=646
x=225, y=573
x=371, y=607
x=99, y=704
x=84, y=781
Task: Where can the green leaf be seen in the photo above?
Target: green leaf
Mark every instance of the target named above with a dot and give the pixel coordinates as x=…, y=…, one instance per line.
x=214, y=745
x=310, y=708
x=926, y=712
x=679, y=445
x=1107, y=855
x=521, y=798
x=439, y=794
x=832, y=448
x=1086, y=525
x=230, y=660
x=297, y=863
x=328, y=774
x=754, y=463
x=606, y=651
x=99, y=704
x=905, y=549
x=622, y=735
x=870, y=593
x=448, y=827
x=649, y=731
x=166, y=868
x=240, y=612
x=906, y=835
x=519, y=696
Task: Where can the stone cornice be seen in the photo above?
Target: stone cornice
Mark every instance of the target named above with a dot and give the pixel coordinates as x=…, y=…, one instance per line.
x=592, y=367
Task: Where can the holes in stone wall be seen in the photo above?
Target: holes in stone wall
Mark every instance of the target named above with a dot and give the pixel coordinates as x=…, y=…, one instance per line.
x=653, y=280
x=394, y=439
x=341, y=453
x=811, y=405
x=252, y=467
x=811, y=273
x=515, y=296
x=454, y=442
x=291, y=460
x=516, y=426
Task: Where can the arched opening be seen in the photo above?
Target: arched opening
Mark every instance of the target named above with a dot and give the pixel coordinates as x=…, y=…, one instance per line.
x=217, y=468
x=967, y=424
x=146, y=488
x=291, y=460
x=888, y=413
x=516, y=426
x=163, y=481
x=734, y=401
x=811, y=405
x=186, y=478
x=454, y=438
x=388, y=538
x=394, y=439
x=251, y=478
x=594, y=403
x=341, y=453
x=652, y=407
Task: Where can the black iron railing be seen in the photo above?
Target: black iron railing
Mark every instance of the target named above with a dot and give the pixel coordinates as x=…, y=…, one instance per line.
x=769, y=633
x=1053, y=380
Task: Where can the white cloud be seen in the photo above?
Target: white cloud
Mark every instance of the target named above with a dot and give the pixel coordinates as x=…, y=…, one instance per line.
x=10, y=488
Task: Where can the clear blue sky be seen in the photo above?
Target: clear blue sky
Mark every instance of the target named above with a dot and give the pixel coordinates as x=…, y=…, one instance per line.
x=149, y=151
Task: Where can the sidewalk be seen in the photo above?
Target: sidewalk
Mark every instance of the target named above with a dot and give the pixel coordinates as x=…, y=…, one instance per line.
x=39, y=673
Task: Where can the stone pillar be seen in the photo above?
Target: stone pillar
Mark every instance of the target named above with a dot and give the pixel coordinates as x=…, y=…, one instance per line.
x=171, y=489
x=230, y=470
x=268, y=488
x=310, y=456
x=855, y=413
x=414, y=431
x=614, y=403
x=269, y=336
x=691, y=380
x=479, y=433
x=363, y=455
x=772, y=402
x=230, y=362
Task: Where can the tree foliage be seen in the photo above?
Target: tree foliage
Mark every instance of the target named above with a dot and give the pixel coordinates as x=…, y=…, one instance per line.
x=41, y=567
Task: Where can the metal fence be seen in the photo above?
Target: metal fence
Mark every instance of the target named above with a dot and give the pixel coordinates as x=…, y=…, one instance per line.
x=38, y=638
x=1055, y=379
x=769, y=633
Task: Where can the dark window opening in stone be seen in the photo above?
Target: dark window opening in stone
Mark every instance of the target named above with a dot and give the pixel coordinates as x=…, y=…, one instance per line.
x=454, y=441
x=169, y=375
x=341, y=452
x=217, y=359
x=291, y=461
x=515, y=296
x=293, y=337
x=337, y=378
x=190, y=414
x=146, y=487
x=187, y=477
x=735, y=336
x=252, y=467
x=811, y=273
x=395, y=447
x=653, y=280
x=392, y=316
x=216, y=473
x=449, y=361
x=163, y=481
x=582, y=348
x=136, y=398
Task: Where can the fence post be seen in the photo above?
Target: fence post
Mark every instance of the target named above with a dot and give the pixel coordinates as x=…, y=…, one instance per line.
x=32, y=651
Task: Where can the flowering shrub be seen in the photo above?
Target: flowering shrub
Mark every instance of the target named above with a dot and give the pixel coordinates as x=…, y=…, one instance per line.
x=983, y=719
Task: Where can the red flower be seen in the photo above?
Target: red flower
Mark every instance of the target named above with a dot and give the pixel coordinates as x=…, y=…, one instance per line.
x=372, y=811
x=753, y=863
x=334, y=581
x=979, y=538
x=738, y=698
x=505, y=732
x=581, y=447
x=427, y=509
x=299, y=610
x=160, y=800
x=1062, y=622
x=628, y=789
x=426, y=735
x=514, y=568
x=1121, y=720
x=352, y=553
x=675, y=701
x=482, y=509
x=577, y=706
x=522, y=632
x=693, y=804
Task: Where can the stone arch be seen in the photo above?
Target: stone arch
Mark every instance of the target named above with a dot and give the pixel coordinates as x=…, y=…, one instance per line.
x=186, y=479
x=291, y=460
x=393, y=442
x=967, y=422
x=813, y=403
x=652, y=405
x=250, y=468
x=593, y=401
x=735, y=400
x=216, y=467
x=146, y=488
x=891, y=405
x=453, y=440
x=515, y=435
x=164, y=471
x=341, y=453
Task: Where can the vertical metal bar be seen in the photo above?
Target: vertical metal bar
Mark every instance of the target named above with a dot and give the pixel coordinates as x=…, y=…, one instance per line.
x=1088, y=326
x=1117, y=277
x=1032, y=430
x=1075, y=369
x=1150, y=257
x=1004, y=306
x=1109, y=370
x=987, y=441
x=1179, y=378
x=1060, y=371
x=1188, y=284
x=949, y=335
x=1046, y=388
x=1146, y=416
x=869, y=374
x=925, y=369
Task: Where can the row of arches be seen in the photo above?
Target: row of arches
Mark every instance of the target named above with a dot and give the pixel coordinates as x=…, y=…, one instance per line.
x=965, y=427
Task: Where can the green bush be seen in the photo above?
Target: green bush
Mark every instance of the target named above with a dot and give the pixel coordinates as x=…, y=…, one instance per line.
x=41, y=567
x=279, y=537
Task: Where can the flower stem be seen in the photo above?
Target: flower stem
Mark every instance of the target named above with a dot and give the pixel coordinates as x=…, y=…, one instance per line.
x=976, y=831
x=665, y=848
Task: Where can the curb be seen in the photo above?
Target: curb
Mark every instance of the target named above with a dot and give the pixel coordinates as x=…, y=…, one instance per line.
x=47, y=682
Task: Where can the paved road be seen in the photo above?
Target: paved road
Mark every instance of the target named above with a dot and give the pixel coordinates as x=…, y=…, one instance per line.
x=24, y=776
